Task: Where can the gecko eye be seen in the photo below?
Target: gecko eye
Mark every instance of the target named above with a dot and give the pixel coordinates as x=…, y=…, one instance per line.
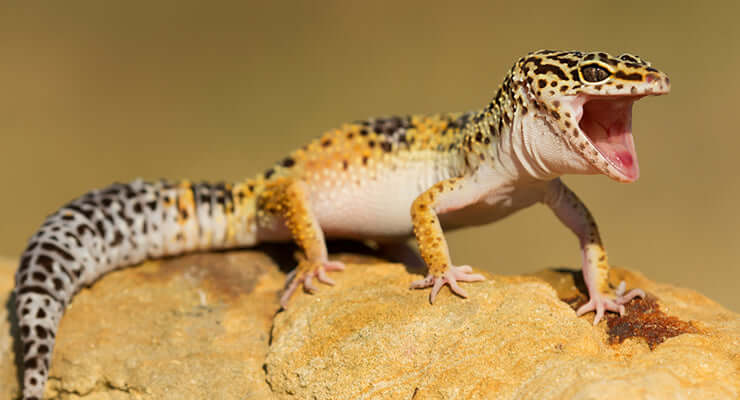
x=594, y=73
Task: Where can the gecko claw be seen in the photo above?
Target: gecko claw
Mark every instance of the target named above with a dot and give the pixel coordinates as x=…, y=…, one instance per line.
x=306, y=278
x=451, y=277
x=600, y=303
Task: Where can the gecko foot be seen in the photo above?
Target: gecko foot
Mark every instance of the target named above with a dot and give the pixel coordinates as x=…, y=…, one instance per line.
x=600, y=303
x=451, y=277
x=307, y=272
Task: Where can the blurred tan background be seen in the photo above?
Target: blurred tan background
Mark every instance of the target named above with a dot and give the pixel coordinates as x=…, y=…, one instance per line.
x=96, y=92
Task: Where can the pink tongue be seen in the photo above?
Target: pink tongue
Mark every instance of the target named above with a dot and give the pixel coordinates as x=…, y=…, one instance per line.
x=608, y=123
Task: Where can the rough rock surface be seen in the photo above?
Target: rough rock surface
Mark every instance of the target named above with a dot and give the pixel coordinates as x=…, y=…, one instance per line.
x=201, y=326
x=193, y=327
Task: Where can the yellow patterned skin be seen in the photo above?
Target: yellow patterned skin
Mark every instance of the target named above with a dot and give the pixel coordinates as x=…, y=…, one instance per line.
x=382, y=179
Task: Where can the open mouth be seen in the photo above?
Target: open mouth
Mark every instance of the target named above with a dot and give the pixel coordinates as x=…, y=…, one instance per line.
x=607, y=121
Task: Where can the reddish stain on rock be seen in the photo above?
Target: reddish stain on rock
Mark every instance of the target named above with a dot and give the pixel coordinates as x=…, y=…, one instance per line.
x=643, y=318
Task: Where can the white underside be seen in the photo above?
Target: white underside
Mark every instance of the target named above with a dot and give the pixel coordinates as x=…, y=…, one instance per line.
x=380, y=208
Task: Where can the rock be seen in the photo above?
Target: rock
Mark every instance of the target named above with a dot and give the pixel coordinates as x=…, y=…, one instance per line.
x=201, y=326
x=193, y=327
x=370, y=337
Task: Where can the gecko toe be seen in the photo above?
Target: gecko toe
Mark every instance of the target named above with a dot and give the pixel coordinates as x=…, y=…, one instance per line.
x=423, y=283
x=334, y=266
x=438, y=283
x=451, y=277
x=324, y=278
x=600, y=303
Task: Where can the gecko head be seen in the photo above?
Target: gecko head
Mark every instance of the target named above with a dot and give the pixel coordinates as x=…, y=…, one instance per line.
x=586, y=99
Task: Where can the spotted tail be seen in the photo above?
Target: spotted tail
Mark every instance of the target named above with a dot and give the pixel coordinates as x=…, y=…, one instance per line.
x=111, y=228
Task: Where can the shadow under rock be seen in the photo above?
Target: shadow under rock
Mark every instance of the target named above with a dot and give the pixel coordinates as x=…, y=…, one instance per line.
x=577, y=276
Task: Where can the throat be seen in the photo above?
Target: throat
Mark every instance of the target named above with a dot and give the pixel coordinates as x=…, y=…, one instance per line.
x=536, y=152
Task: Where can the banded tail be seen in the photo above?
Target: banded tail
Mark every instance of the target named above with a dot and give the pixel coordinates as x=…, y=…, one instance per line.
x=106, y=229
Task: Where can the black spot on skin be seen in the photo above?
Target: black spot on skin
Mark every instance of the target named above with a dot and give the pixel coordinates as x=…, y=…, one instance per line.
x=371, y=144
x=326, y=142
x=46, y=262
x=137, y=208
x=555, y=114
x=25, y=311
x=269, y=173
x=364, y=132
x=41, y=314
x=345, y=165
x=74, y=238
x=107, y=202
x=364, y=160
x=82, y=228
x=43, y=349
x=130, y=193
x=386, y=146
x=27, y=346
x=30, y=363
x=117, y=239
x=542, y=83
x=86, y=213
x=288, y=162
x=56, y=249
x=41, y=277
x=25, y=262
x=25, y=331
x=101, y=228
x=635, y=76
x=545, y=68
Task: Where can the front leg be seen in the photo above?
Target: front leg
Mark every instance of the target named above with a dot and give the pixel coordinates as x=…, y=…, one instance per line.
x=287, y=199
x=446, y=195
x=574, y=214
